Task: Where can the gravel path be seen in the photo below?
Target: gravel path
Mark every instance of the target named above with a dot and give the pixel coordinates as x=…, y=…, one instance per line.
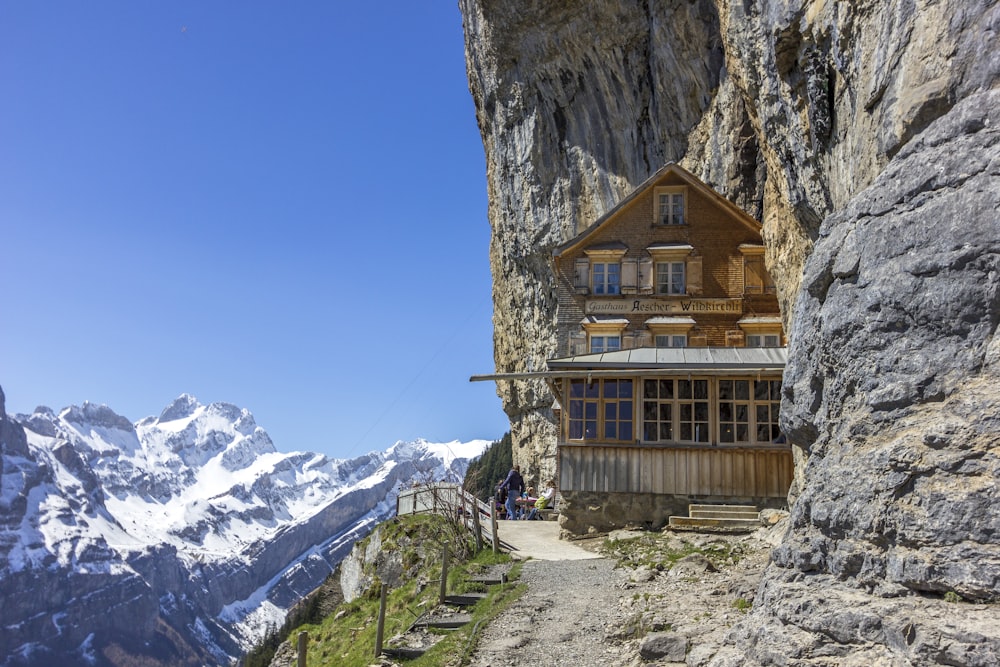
x=562, y=619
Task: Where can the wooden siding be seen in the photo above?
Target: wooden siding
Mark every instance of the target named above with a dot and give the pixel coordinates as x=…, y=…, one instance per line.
x=753, y=473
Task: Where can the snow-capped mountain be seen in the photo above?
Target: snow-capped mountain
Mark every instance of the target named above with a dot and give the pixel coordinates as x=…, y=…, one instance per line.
x=180, y=538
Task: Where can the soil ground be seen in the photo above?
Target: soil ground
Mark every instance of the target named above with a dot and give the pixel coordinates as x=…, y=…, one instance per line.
x=647, y=598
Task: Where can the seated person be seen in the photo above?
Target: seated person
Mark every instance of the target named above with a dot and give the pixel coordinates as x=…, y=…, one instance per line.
x=543, y=501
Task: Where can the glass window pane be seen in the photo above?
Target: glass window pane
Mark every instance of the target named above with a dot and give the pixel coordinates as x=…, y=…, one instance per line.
x=575, y=409
x=590, y=430
x=610, y=389
x=726, y=434
x=649, y=410
x=725, y=389
x=625, y=431
x=625, y=388
x=576, y=388
x=610, y=430
x=775, y=390
x=742, y=433
x=666, y=388
x=666, y=432
x=592, y=390
x=686, y=432
x=762, y=414
x=701, y=388
x=590, y=410
x=743, y=390
x=726, y=412
x=742, y=413
x=763, y=433
x=701, y=412
x=665, y=412
x=649, y=431
x=760, y=390
x=686, y=412
x=610, y=411
x=684, y=389
x=701, y=432
x=649, y=388
x=625, y=410
x=575, y=430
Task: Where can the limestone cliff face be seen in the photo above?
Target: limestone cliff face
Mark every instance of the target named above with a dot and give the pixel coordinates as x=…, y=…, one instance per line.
x=865, y=137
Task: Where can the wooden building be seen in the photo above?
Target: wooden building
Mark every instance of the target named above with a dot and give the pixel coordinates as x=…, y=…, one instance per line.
x=670, y=356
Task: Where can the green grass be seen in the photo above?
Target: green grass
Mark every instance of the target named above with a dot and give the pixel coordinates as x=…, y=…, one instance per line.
x=347, y=637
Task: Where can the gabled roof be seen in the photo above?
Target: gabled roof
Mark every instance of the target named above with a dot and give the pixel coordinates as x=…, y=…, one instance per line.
x=670, y=168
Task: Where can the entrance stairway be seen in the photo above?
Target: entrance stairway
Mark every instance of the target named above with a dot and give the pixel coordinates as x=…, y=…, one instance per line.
x=718, y=518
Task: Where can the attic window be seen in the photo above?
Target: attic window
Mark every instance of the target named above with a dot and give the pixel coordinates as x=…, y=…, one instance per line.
x=671, y=205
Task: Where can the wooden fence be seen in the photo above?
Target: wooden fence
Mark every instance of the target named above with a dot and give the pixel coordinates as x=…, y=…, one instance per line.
x=453, y=501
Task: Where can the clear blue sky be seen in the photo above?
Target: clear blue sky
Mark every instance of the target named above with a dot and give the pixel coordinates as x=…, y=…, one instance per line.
x=277, y=205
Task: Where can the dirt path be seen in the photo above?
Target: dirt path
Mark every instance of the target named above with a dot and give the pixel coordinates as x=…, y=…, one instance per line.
x=563, y=618
x=658, y=599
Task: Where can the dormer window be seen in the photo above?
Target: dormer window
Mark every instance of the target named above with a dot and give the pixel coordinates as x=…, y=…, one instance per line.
x=671, y=206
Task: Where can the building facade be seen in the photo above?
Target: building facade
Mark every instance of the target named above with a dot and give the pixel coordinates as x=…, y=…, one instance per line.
x=670, y=356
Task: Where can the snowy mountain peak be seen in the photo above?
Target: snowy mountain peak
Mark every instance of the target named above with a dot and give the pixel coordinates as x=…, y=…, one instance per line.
x=183, y=406
x=180, y=517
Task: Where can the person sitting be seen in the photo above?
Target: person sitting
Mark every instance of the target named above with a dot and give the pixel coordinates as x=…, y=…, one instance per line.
x=543, y=501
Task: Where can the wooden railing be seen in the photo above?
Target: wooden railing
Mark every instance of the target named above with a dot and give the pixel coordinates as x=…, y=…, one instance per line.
x=451, y=500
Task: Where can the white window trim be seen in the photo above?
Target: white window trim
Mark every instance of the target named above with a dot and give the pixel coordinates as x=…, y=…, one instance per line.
x=670, y=190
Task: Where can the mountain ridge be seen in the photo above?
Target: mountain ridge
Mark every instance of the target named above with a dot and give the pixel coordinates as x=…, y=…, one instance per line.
x=179, y=537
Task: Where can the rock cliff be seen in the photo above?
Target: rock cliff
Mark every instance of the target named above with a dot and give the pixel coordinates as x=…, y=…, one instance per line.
x=864, y=136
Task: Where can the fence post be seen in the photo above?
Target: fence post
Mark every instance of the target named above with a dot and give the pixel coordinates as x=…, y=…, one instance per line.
x=478, y=528
x=493, y=525
x=381, y=621
x=303, y=645
x=444, y=574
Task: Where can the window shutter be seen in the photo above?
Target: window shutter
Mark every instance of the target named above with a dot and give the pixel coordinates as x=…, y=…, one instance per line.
x=697, y=340
x=646, y=275
x=577, y=343
x=693, y=269
x=754, y=276
x=630, y=275
x=582, y=283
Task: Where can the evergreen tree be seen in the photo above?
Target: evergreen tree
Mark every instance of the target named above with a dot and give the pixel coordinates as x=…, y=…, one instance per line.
x=487, y=470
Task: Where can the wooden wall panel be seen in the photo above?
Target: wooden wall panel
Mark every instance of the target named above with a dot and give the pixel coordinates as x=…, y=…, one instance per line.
x=681, y=471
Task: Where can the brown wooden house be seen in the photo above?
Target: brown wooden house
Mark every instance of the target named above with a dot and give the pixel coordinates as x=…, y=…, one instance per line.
x=671, y=352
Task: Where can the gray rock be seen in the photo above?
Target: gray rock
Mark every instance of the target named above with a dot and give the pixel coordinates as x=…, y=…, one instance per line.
x=664, y=646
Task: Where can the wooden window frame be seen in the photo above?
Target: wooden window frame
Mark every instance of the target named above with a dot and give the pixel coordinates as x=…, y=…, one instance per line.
x=668, y=218
x=593, y=396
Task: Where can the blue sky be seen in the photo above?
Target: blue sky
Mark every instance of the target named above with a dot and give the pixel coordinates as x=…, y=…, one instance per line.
x=277, y=205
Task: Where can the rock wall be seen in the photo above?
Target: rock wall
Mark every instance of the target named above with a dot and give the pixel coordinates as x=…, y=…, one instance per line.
x=864, y=136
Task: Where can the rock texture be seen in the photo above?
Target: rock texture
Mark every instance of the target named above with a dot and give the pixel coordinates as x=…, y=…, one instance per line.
x=864, y=135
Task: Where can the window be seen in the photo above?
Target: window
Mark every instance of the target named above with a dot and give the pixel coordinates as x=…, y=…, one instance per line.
x=671, y=340
x=763, y=340
x=605, y=343
x=601, y=409
x=670, y=206
x=767, y=401
x=675, y=410
x=734, y=411
x=670, y=278
x=607, y=278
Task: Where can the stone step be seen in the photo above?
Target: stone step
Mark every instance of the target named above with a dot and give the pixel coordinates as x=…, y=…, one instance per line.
x=722, y=514
x=722, y=508
x=445, y=623
x=464, y=599
x=403, y=652
x=721, y=525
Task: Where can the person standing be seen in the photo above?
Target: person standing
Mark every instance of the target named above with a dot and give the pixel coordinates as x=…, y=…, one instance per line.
x=514, y=485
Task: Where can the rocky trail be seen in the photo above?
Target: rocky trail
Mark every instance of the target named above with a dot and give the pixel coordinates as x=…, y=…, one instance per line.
x=650, y=599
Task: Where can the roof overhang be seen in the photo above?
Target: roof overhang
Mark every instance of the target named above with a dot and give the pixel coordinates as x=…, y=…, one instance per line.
x=651, y=360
